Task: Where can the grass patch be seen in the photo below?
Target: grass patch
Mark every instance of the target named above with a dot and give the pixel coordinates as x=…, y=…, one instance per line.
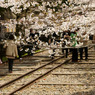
x=37, y=50
x=4, y=59
x=25, y=54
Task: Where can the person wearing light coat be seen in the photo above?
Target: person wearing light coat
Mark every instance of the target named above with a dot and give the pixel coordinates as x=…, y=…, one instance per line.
x=11, y=51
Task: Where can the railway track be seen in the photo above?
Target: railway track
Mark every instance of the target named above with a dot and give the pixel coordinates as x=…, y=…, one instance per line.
x=26, y=78
x=43, y=50
x=43, y=59
x=21, y=67
x=22, y=78
x=70, y=79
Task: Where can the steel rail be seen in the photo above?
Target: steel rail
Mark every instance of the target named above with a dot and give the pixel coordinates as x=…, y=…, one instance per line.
x=1, y=65
x=66, y=61
x=28, y=72
x=8, y=83
x=29, y=83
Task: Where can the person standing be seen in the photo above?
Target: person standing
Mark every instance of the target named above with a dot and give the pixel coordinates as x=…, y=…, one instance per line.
x=11, y=52
x=32, y=33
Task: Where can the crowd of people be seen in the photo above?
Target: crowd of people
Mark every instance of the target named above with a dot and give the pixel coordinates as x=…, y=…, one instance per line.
x=43, y=38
